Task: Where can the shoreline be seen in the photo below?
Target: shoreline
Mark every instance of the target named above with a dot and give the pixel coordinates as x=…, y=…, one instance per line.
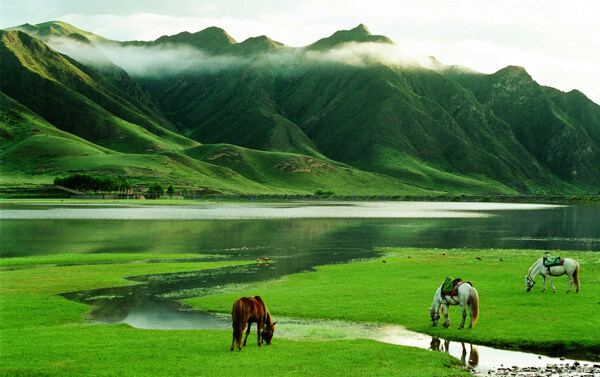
x=267, y=198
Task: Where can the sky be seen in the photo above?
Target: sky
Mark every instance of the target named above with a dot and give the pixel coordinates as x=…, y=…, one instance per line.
x=556, y=41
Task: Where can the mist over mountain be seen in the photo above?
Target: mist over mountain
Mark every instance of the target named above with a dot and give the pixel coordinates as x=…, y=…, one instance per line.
x=351, y=108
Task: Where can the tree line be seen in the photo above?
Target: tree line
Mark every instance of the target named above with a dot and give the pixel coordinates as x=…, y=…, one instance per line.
x=96, y=183
x=107, y=183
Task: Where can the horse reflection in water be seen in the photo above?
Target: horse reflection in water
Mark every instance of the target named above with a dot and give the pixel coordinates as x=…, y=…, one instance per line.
x=473, y=360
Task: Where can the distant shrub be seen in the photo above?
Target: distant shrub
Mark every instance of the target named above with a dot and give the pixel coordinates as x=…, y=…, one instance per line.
x=321, y=192
x=155, y=190
x=171, y=191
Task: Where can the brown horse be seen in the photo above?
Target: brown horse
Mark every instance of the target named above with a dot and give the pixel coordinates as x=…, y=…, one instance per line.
x=249, y=310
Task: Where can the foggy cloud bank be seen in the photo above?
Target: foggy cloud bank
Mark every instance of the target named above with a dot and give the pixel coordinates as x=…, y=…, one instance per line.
x=170, y=59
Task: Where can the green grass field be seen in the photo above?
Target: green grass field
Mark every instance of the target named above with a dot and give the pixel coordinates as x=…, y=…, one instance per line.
x=400, y=291
x=44, y=334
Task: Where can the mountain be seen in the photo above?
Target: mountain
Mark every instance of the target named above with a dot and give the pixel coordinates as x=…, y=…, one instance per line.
x=561, y=130
x=406, y=122
x=333, y=115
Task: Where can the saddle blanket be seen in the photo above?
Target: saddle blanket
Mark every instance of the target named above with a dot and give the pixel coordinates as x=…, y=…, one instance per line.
x=553, y=261
x=450, y=286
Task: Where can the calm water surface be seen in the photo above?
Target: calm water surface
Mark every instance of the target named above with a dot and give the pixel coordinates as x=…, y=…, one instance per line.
x=293, y=229
x=298, y=236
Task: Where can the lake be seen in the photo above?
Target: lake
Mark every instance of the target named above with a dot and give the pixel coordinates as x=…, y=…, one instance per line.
x=314, y=232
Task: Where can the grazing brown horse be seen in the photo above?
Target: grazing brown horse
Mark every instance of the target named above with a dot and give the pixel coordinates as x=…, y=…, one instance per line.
x=249, y=310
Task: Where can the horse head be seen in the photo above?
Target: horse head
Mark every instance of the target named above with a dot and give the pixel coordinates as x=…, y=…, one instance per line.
x=435, y=317
x=529, y=283
x=267, y=332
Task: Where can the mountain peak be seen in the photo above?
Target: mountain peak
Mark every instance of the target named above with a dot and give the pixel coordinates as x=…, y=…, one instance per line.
x=359, y=34
x=212, y=39
x=514, y=72
x=257, y=45
x=362, y=29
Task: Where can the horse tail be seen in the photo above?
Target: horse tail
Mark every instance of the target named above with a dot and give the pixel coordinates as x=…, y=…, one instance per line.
x=576, y=277
x=474, y=305
x=236, y=314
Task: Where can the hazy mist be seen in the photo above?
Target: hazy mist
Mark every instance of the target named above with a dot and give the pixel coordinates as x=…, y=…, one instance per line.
x=173, y=59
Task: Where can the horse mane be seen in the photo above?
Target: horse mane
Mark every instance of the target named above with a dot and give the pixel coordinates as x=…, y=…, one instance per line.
x=532, y=266
x=267, y=315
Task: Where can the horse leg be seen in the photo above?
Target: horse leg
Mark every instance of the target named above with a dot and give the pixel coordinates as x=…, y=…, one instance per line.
x=446, y=311
x=571, y=281
x=238, y=333
x=544, y=277
x=260, y=326
x=464, y=315
x=247, y=332
x=553, y=287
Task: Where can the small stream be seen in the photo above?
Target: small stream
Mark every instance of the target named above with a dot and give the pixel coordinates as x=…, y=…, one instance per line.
x=479, y=359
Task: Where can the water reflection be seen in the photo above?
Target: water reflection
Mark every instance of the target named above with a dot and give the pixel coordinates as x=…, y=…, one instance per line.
x=565, y=228
x=441, y=345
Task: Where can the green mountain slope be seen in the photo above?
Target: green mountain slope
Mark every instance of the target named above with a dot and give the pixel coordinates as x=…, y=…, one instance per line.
x=560, y=129
x=377, y=118
x=77, y=99
x=299, y=173
x=50, y=29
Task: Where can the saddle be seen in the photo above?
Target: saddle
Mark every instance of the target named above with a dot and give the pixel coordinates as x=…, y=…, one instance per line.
x=450, y=286
x=553, y=261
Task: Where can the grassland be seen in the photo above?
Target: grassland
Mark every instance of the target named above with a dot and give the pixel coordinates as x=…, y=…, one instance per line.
x=44, y=334
x=400, y=290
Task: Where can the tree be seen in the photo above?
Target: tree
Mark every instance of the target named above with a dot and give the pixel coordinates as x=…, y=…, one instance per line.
x=156, y=190
x=170, y=191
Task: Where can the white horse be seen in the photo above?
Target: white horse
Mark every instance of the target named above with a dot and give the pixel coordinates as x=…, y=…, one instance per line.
x=569, y=267
x=467, y=296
